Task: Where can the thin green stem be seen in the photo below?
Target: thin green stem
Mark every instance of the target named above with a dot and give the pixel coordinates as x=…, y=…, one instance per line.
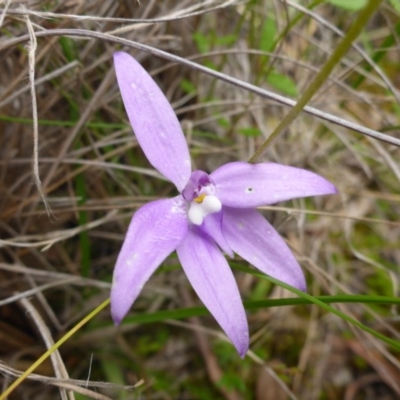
x=361, y=20
x=101, y=125
x=322, y=304
x=182, y=313
x=304, y=299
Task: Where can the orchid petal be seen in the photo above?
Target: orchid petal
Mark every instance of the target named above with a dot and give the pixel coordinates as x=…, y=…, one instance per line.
x=154, y=122
x=213, y=281
x=244, y=185
x=251, y=236
x=212, y=226
x=156, y=230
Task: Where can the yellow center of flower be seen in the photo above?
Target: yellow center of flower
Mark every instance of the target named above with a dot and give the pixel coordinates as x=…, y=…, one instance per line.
x=200, y=199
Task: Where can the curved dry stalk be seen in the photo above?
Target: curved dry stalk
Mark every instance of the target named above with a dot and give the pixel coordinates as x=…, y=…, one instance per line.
x=182, y=14
x=31, y=52
x=219, y=75
x=54, y=236
x=45, y=275
x=294, y=211
x=39, y=81
x=77, y=386
x=58, y=364
x=4, y=12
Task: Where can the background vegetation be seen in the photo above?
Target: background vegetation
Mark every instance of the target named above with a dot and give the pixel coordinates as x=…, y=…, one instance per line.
x=56, y=268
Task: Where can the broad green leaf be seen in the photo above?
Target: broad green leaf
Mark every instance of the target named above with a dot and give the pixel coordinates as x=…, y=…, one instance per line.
x=223, y=122
x=187, y=86
x=210, y=64
x=212, y=136
x=352, y=5
x=69, y=48
x=79, y=396
x=395, y=4
x=268, y=32
x=252, y=132
x=202, y=42
x=282, y=83
x=226, y=40
x=81, y=191
x=113, y=372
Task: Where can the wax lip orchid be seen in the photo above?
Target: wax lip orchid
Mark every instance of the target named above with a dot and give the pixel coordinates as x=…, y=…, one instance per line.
x=213, y=212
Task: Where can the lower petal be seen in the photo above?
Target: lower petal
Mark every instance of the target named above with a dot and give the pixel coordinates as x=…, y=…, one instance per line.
x=212, y=225
x=155, y=231
x=213, y=281
x=251, y=236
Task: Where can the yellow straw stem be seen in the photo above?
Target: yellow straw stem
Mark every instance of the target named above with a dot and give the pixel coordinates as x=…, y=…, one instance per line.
x=56, y=345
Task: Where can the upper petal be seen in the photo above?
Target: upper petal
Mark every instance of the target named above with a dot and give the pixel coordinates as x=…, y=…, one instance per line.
x=251, y=236
x=155, y=231
x=244, y=185
x=213, y=281
x=156, y=126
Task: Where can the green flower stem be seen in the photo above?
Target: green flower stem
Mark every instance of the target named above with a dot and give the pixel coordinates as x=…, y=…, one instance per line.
x=361, y=20
x=324, y=304
x=182, y=313
x=304, y=299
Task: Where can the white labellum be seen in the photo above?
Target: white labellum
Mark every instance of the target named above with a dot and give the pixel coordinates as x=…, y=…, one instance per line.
x=198, y=211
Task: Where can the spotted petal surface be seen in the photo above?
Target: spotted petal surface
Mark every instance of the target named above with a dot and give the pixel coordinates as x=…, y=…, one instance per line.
x=251, y=236
x=213, y=281
x=156, y=230
x=153, y=120
x=244, y=185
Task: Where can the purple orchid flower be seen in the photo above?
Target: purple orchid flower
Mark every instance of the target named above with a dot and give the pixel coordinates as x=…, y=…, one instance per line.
x=213, y=212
